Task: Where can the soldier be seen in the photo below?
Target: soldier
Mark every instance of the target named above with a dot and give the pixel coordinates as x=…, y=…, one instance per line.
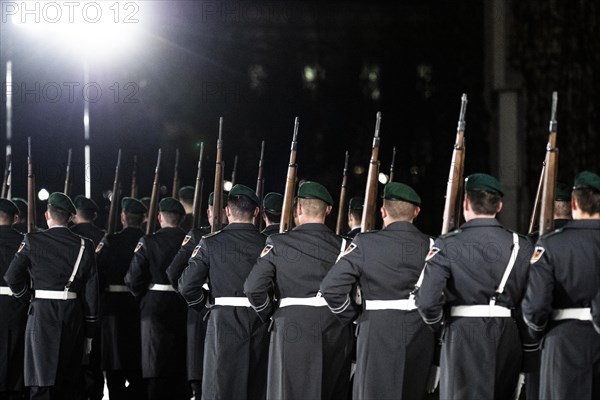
x=61, y=268
x=237, y=341
x=163, y=312
x=562, y=205
x=355, y=210
x=559, y=305
x=186, y=197
x=196, y=323
x=87, y=212
x=121, y=348
x=21, y=220
x=13, y=313
x=271, y=214
x=309, y=357
x=387, y=264
x=479, y=271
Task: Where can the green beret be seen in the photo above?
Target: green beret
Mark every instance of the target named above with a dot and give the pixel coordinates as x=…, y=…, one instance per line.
x=170, y=204
x=356, y=203
x=186, y=193
x=133, y=206
x=563, y=192
x=21, y=204
x=241, y=190
x=83, y=203
x=273, y=202
x=484, y=182
x=211, y=198
x=8, y=207
x=314, y=190
x=401, y=191
x=146, y=201
x=61, y=201
x=587, y=179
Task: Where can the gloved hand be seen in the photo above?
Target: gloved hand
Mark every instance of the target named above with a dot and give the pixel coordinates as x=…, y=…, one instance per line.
x=434, y=378
x=87, y=346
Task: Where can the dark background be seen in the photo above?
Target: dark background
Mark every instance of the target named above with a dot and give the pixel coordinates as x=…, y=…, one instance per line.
x=245, y=61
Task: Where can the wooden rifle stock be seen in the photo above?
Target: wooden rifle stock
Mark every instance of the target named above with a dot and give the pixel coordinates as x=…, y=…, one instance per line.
x=218, y=188
x=550, y=173
x=341, y=219
x=290, y=183
x=7, y=177
x=134, y=186
x=198, y=191
x=260, y=188
x=67, y=189
x=453, y=203
x=152, y=209
x=535, y=214
x=175, y=192
x=393, y=164
x=114, y=201
x=368, y=216
x=30, y=190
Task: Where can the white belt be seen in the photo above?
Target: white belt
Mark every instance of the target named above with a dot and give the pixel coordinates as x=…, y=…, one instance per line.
x=583, y=314
x=5, y=291
x=55, y=295
x=480, y=311
x=303, y=301
x=404, y=304
x=232, y=301
x=117, y=288
x=160, y=287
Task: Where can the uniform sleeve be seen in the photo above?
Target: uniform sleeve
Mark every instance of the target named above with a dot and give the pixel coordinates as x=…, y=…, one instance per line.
x=180, y=261
x=260, y=281
x=429, y=297
x=17, y=276
x=90, y=292
x=339, y=281
x=137, y=278
x=537, y=303
x=194, y=276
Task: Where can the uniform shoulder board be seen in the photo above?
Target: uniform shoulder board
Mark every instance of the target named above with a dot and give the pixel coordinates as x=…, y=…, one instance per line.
x=450, y=234
x=211, y=234
x=537, y=254
x=554, y=232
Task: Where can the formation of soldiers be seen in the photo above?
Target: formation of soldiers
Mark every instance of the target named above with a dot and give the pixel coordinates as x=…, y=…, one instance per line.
x=244, y=314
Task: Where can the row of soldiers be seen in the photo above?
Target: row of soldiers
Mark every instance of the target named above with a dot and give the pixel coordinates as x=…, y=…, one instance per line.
x=271, y=316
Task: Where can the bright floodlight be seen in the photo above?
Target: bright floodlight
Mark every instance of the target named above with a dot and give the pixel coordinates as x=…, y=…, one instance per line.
x=383, y=178
x=43, y=195
x=227, y=186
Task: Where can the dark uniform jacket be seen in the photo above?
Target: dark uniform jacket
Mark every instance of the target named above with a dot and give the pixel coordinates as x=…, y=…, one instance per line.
x=237, y=341
x=54, y=333
x=163, y=313
x=353, y=232
x=395, y=347
x=90, y=231
x=13, y=316
x=196, y=323
x=271, y=229
x=481, y=356
x=565, y=273
x=309, y=357
x=120, y=312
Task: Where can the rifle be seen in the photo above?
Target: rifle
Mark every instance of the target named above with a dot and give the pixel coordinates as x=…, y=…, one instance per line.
x=218, y=189
x=175, y=193
x=235, y=159
x=290, y=183
x=30, y=190
x=7, y=177
x=198, y=191
x=453, y=204
x=112, y=213
x=392, y=166
x=134, y=186
x=68, y=175
x=368, y=216
x=535, y=214
x=260, y=187
x=341, y=219
x=152, y=210
x=550, y=172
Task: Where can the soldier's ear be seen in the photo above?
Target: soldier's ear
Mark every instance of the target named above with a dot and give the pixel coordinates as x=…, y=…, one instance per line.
x=383, y=212
x=328, y=210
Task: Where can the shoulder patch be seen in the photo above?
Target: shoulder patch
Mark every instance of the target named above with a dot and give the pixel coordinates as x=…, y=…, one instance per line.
x=537, y=254
x=185, y=240
x=139, y=246
x=21, y=246
x=196, y=249
x=266, y=250
x=432, y=252
x=99, y=247
x=349, y=249
x=454, y=232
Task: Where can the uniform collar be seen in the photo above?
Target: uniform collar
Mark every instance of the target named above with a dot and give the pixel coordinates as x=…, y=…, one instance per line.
x=401, y=226
x=239, y=225
x=480, y=222
x=583, y=224
x=312, y=226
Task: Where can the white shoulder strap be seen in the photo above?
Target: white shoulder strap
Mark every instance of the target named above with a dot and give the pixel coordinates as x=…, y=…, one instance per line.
x=342, y=249
x=509, y=267
x=75, y=268
x=420, y=280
